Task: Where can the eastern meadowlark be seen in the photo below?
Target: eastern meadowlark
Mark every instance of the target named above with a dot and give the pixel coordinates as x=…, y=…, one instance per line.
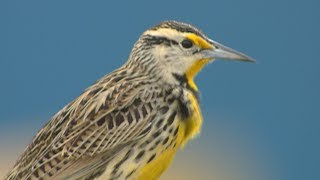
x=131, y=122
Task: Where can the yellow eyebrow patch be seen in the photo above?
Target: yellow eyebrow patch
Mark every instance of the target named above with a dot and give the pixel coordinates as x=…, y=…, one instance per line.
x=199, y=41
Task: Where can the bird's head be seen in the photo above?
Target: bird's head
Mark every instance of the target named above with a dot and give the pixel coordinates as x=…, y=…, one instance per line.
x=175, y=48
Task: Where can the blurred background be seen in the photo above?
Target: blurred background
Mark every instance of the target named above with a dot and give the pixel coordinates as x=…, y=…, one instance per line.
x=261, y=121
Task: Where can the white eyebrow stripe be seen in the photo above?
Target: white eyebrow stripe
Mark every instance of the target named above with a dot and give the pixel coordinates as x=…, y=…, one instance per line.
x=169, y=33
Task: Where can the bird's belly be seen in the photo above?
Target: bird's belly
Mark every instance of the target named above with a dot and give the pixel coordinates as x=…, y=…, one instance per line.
x=140, y=166
x=154, y=169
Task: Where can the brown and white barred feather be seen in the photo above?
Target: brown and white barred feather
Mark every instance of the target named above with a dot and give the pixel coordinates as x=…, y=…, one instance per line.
x=117, y=110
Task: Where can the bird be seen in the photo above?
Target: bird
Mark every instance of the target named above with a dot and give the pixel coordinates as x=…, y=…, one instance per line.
x=130, y=123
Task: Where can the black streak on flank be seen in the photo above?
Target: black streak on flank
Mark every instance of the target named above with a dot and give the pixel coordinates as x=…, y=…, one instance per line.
x=165, y=127
x=159, y=123
x=164, y=109
x=176, y=131
x=156, y=134
x=138, y=157
x=151, y=158
x=165, y=141
x=130, y=173
x=171, y=118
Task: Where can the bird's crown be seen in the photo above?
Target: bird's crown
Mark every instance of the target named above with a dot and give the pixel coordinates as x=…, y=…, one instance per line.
x=180, y=27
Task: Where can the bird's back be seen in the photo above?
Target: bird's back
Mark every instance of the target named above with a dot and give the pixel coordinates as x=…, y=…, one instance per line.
x=90, y=126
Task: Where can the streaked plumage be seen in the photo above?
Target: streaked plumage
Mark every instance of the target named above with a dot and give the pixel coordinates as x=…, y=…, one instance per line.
x=130, y=123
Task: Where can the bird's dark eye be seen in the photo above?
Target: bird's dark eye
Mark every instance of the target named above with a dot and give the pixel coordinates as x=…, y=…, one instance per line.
x=187, y=43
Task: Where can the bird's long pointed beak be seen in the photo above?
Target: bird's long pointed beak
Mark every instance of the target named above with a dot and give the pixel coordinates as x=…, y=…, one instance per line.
x=222, y=52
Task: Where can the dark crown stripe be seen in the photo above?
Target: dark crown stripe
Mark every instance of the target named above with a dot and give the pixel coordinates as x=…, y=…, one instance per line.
x=155, y=40
x=181, y=27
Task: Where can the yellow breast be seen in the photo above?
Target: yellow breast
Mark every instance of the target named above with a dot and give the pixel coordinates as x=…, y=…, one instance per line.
x=192, y=125
x=188, y=129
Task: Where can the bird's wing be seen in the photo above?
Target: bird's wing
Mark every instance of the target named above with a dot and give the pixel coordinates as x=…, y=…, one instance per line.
x=101, y=119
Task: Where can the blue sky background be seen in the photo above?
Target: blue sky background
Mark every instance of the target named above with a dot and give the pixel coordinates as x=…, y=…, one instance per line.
x=261, y=120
